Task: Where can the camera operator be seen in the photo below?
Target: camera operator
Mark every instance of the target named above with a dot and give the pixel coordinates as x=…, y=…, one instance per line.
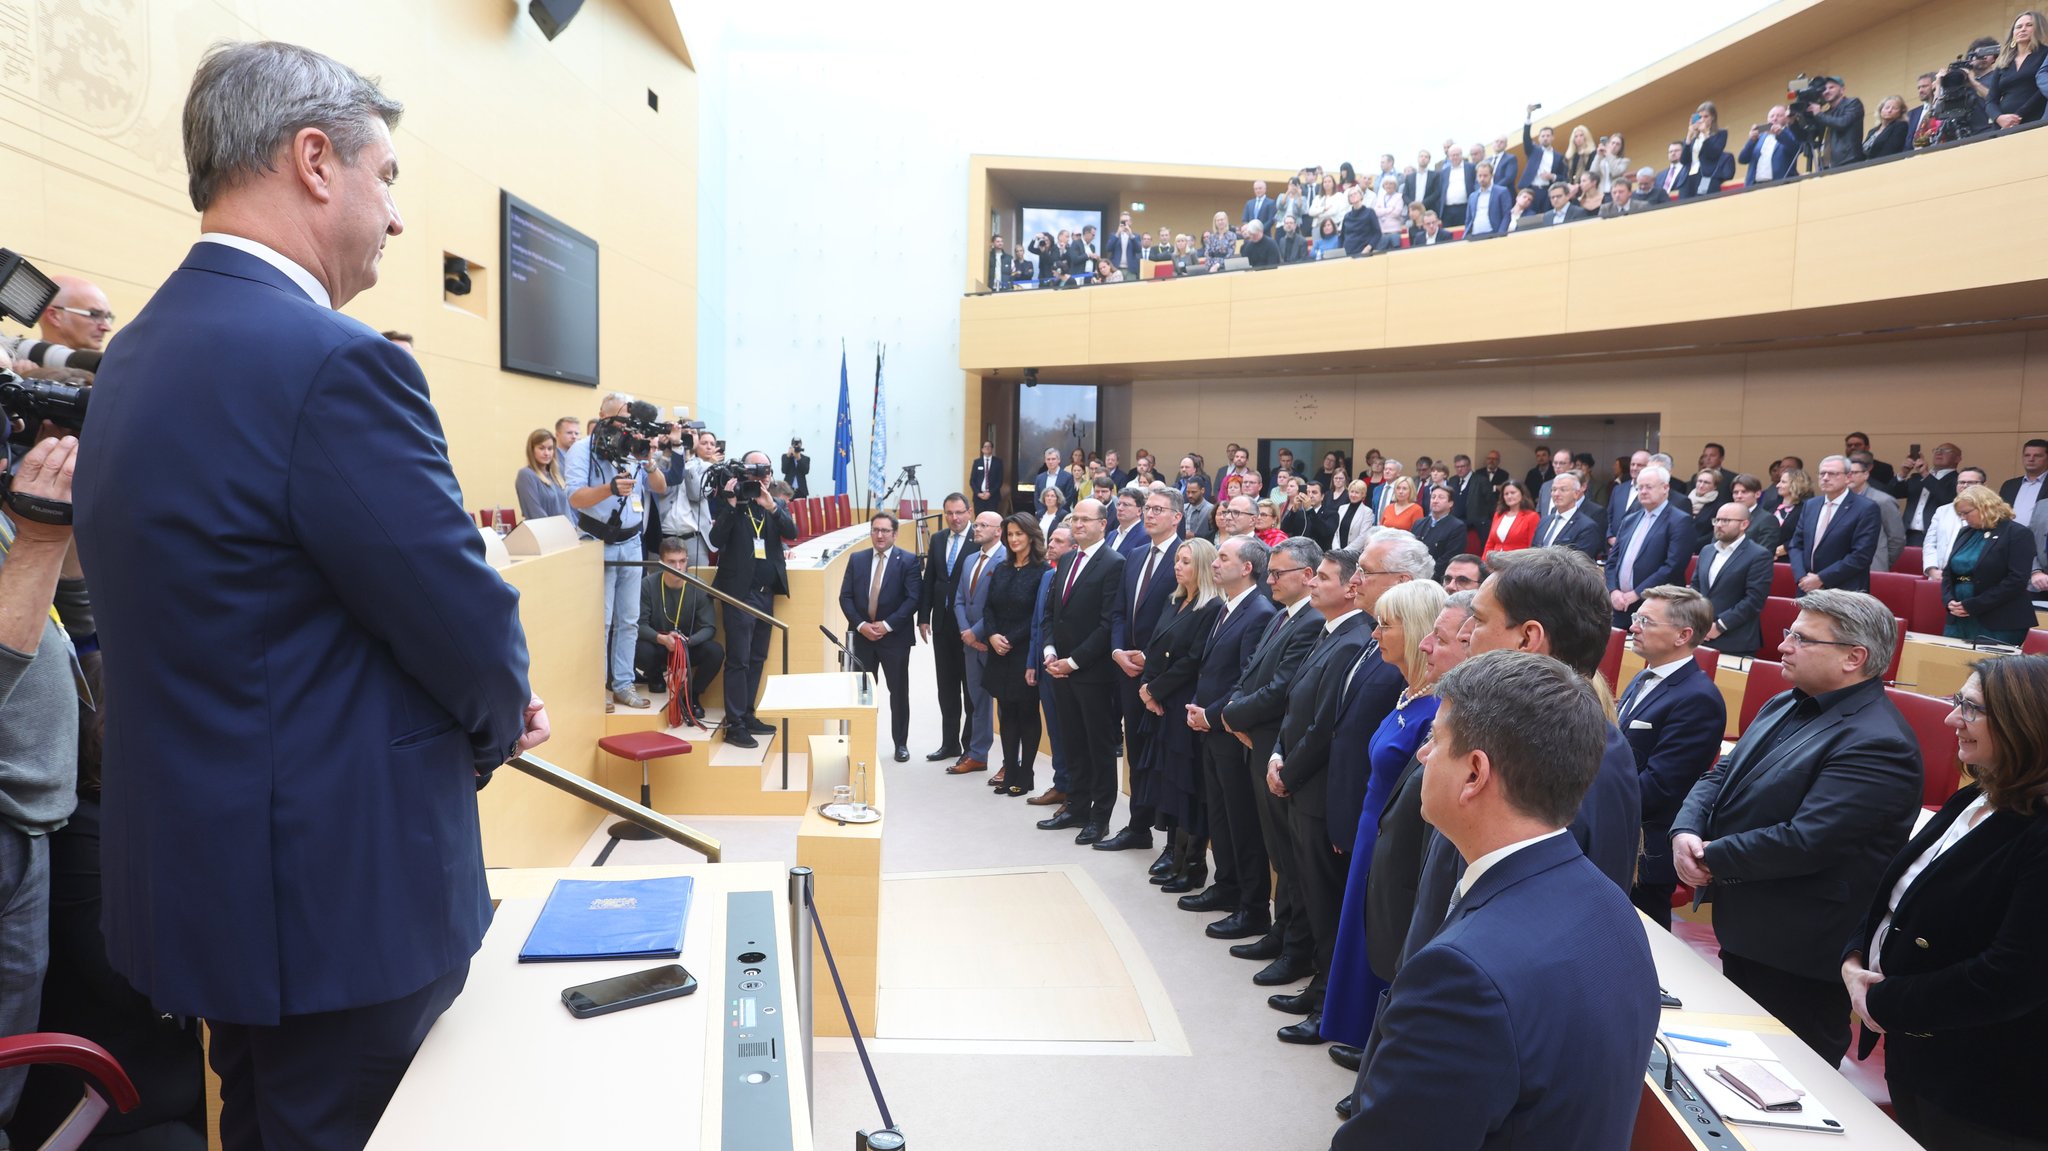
x=796, y=469
x=1961, y=105
x=686, y=512
x=1841, y=118
x=38, y=724
x=610, y=498
x=749, y=530
x=73, y=328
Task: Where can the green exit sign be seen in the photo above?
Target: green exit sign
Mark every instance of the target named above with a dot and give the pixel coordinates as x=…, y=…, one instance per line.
x=1542, y=429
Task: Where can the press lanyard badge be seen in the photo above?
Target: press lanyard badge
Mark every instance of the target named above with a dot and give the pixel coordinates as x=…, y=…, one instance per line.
x=760, y=549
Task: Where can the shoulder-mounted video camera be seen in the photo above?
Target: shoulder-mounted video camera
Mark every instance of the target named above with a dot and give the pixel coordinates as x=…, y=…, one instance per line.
x=24, y=293
x=629, y=435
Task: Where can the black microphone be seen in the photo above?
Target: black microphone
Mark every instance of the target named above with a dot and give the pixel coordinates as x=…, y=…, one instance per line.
x=843, y=650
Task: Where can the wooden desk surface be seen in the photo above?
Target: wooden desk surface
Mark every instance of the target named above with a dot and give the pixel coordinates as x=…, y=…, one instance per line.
x=509, y=1068
x=814, y=694
x=1712, y=1001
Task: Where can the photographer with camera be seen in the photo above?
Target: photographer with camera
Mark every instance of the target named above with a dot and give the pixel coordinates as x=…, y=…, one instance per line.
x=73, y=329
x=748, y=529
x=686, y=513
x=1840, y=118
x=796, y=469
x=39, y=734
x=611, y=487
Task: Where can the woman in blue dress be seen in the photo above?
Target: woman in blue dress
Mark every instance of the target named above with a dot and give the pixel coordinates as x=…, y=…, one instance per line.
x=1406, y=615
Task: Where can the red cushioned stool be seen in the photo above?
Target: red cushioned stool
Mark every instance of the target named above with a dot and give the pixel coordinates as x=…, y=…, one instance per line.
x=107, y=1087
x=645, y=746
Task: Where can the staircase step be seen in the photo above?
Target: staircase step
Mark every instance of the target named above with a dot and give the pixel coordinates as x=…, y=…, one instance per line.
x=727, y=755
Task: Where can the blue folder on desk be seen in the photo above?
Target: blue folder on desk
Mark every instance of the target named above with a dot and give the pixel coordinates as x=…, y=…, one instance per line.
x=610, y=919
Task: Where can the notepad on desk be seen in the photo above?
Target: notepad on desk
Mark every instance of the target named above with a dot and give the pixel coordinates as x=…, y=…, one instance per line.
x=1699, y=1050
x=610, y=919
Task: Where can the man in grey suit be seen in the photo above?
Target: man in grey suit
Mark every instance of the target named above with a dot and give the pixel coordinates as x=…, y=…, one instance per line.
x=1790, y=833
x=1892, y=525
x=1734, y=573
x=969, y=601
x=1198, y=520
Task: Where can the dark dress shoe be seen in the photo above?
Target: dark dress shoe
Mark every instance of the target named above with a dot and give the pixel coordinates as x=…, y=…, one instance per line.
x=1090, y=834
x=1188, y=880
x=1344, y=1107
x=1238, y=925
x=902, y=755
x=1346, y=1056
x=1126, y=840
x=1210, y=898
x=1296, y=1003
x=757, y=727
x=1062, y=821
x=1308, y=1031
x=1285, y=969
x=1265, y=947
x=1164, y=864
x=943, y=753
x=738, y=737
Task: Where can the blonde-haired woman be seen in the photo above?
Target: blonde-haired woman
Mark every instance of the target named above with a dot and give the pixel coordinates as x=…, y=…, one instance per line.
x=1579, y=152
x=1984, y=584
x=539, y=484
x=1402, y=511
x=1407, y=613
x=1166, y=780
x=2012, y=90
x=1706, y=157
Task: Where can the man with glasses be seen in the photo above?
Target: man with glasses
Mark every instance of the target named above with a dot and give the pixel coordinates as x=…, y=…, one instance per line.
x=1891, y=526
x=1083, y=614
x=1836, y=537
x=1734, y=573
x=1791, y=832
x=1235, y=519
x=1253, y=713
x=1464, y=573
x=1148, y=583
x=1673, y=718
x=1652, y=547
x=1227, y=784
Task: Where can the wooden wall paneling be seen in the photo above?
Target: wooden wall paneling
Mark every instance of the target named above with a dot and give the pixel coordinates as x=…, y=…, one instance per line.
x=1330, y=306
x=1141, y=322
x=1026, y=329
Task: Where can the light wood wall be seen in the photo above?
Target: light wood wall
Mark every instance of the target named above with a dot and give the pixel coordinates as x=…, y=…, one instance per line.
x=96, y=179
x=1987, y=393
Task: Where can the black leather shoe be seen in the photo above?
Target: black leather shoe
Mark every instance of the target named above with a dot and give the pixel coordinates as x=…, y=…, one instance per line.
x=759, y=728
x=1308, y=1031
x=1282, y=970
x=1265, y=947
x=1344, y=1107
x=1210, y=898
x=1089, y=835
x=1126, y=840
x=1189, y=880
x=1238, y=925
x=1164, y=864
x=1348, y=1057
x=1062, y=821
x=738, y=737
x=902, y=754
x=1301, y=1002
x=943, y=754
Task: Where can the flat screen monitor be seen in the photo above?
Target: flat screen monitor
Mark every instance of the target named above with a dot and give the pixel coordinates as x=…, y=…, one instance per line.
x=548, y=321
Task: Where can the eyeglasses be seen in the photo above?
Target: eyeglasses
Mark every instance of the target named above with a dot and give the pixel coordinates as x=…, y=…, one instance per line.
x=1970, y=710
x=1794, y=639
x=96, y=315
x=1276, y=573
x=1364, y=572
x=1641, y=620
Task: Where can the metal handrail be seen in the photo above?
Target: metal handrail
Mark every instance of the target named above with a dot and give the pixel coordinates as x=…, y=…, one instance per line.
x=618, y=805
x=750, y=609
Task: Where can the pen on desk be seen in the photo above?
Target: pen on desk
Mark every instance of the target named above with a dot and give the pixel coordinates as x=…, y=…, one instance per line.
x=1698, y=1039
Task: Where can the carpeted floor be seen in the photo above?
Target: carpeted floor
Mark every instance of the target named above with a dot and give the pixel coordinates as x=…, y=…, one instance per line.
x=1238, y=1087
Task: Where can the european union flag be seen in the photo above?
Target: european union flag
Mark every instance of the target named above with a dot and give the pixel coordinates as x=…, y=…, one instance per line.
x=842, y=439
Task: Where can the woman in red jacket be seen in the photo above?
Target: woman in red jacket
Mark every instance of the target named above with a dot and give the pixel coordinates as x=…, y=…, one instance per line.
x=1514, y=525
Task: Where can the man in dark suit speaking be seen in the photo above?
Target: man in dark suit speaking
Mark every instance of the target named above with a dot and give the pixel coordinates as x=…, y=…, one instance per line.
x=1527, y=1021
x=879, y=597
x=1790, y=832
x=316, y=667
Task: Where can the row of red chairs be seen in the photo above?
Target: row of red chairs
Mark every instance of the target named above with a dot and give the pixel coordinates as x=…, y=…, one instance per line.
x=817, y=515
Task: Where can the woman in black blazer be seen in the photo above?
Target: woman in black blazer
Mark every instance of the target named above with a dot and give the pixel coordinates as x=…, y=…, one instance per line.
x=1889, y=138
x=1984, y=584
x=1012, y=594
x=2010, y=90
x=1706, y=159
x=1948, y=963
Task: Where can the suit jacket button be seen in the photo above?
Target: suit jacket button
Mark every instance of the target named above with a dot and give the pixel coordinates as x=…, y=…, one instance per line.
x=1920, y=943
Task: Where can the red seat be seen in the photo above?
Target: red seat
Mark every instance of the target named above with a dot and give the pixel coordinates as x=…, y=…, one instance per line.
x=1941, y=773
x=642, y=746
x=1709, y=661
x=1610, y=664
x=1692, y=565
x=2036, y=642
x=1910, y=561
x=106, y=1085
x=1929, y=615
x=1782, y=583
x=800, y=511
x=845, y=506
x=1895, y=590
x=1778, y=614
x=1766, y=679
x=1891, y=670
x=1162, y=271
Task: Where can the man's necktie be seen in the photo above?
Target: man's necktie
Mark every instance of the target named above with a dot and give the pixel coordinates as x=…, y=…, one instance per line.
x=1636, y=687
x=974, y=580
x=1820, y=530
x=1145, y=577
x=875, y=587
x=1550, y=536
x=952, y=553
x=1222, y=617
x=1073, y=573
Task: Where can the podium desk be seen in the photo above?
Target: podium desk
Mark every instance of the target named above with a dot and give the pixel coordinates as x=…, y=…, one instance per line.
x=507, y=1067
x=1711, y=1001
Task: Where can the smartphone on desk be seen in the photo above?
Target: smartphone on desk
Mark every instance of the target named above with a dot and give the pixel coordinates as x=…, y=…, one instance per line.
x=623, y=991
